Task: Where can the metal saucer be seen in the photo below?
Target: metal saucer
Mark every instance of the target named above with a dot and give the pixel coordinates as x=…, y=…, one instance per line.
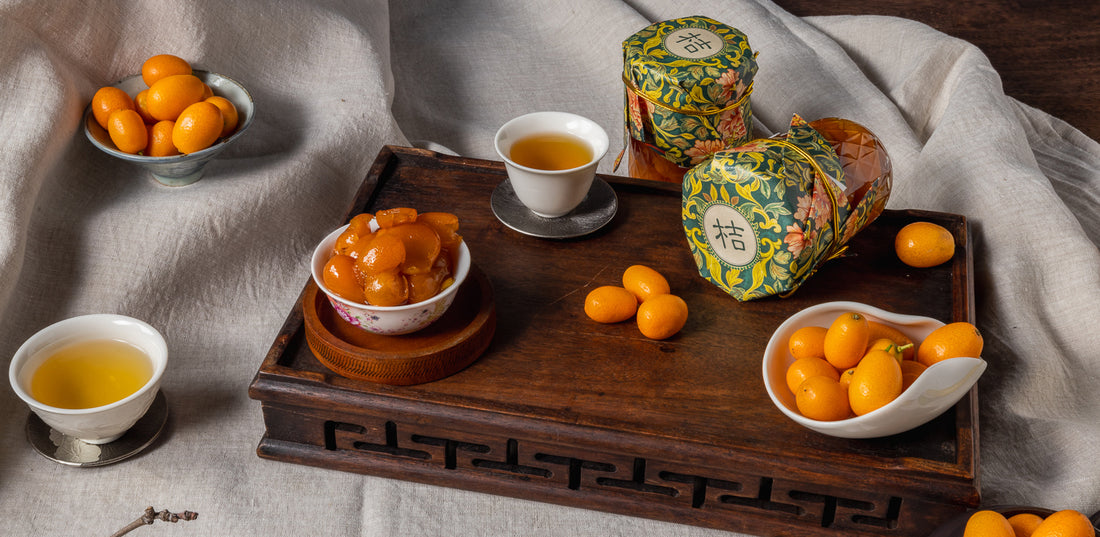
x=71, y=451
x=597, y=209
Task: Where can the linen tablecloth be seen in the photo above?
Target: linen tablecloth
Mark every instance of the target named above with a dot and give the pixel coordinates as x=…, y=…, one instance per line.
x=217, y=265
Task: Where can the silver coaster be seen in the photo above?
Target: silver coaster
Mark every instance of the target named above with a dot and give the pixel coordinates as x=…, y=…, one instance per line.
x=597, y=209
x=71, y=451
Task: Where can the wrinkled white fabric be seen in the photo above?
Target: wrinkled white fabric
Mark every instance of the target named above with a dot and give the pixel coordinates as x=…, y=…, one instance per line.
x=216, y=266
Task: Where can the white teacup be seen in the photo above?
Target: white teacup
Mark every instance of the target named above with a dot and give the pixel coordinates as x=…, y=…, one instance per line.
x=551, y=193
x=99, y=424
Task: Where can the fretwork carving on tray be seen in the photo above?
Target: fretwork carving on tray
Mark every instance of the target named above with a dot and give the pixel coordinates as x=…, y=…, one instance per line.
x=638, y=478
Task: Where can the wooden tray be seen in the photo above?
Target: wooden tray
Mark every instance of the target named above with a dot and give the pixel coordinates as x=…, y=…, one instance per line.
x=561, y=409
x=441, y=349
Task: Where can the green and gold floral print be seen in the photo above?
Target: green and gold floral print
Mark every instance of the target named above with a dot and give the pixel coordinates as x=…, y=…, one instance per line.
x=761, y=217
x=688, y=83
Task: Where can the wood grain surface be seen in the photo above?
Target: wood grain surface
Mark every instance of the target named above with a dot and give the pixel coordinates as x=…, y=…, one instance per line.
x=1047, y=52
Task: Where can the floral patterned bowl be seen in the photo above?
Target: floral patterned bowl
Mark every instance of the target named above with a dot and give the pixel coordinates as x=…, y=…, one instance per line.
x=391, y=320
x=934, y=391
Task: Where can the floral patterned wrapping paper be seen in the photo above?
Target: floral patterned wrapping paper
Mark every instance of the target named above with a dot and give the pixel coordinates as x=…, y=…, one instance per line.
x=760, y=217
x=687, y=88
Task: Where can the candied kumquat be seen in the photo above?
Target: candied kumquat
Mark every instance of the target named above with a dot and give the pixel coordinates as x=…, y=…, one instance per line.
x=360, y=224
x=426, y=285
x=339, y=276
x=445, y=225
x=422, y=246
x=358, y=229
x=404, y=260
x=386, y=288
x=380, y=253
x=347, y=241
x=394, y=217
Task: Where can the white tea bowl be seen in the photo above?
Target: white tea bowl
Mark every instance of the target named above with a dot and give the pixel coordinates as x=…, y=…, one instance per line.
x=937, y=389
x=388, y=320
x=551, y=193
x=101, y=424
x=178, y=170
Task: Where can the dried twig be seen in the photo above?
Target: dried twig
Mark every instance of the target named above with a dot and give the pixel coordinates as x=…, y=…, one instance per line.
x=152, y=515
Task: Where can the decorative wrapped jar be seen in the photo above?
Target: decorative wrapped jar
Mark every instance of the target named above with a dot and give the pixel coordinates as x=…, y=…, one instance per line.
x=761, y=217
x=687, y=86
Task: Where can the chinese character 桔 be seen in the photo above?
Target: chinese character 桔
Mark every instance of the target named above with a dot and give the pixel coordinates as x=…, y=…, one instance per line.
x=693, y=42
x=733, y=231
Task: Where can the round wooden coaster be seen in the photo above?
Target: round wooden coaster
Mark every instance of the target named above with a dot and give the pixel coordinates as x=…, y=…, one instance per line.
x=442, y=349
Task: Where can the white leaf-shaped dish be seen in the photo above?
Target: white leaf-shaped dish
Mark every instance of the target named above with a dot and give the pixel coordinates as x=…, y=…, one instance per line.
x=934, y=391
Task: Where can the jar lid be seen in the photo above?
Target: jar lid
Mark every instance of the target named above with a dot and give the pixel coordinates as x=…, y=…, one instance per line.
x=690, y=65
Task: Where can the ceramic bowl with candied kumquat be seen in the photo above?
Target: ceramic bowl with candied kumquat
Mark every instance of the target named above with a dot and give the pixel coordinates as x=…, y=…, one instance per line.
x=178, y=167
x=932, y=389
x=394, y=272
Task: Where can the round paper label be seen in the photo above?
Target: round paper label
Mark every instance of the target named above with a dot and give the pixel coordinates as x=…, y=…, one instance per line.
x=694, y=43
x=730, y=235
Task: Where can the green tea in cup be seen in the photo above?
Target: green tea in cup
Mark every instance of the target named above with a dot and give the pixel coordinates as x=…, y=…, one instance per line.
x=551, y=159
x=90, y=377
x=551, y=151
x=88, y=374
